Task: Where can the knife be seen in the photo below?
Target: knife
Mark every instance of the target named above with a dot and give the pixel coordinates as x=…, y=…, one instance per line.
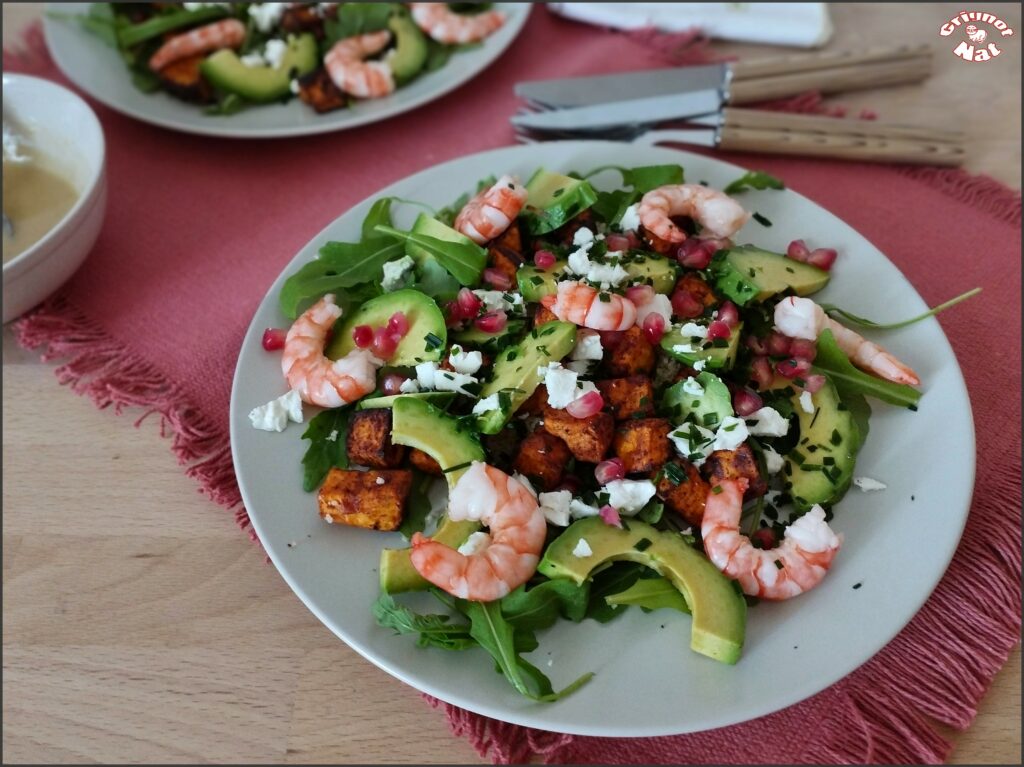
x=634, y=111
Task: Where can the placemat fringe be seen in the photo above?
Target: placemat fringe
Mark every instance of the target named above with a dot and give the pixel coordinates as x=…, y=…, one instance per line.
x=980, y=191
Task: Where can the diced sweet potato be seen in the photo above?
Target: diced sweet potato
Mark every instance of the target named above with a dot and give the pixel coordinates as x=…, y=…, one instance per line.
x=626, y=398
x=657, y=244
x=687, y=496
x=698, y=287
x=425, y=463
x=319, y=91
x=632, y=355
x=184, y=80
x=731, y=464
x=511, y=240
x=372, y=499
x=500, y=259
x=588, y=439
x=542, y=459
x=298, y=18
x=542, y=316
x=643, y=444
x=369, y=440
x=535, y=403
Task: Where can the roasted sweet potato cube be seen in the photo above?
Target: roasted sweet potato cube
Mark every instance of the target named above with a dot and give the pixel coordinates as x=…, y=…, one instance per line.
x=424, y=462
x=731, y=464
x=511, y=242
x=499, y=259
x=632, y=355
x=683, y=489
x=643, y=444
x=658, y=245
x=543, y=315
x=298, y=18
x=542, y=458
x=698, y=287
x=319, y=91
x=588, y=439
x=372, y=499
x=369, y=440
x=184, y=80
x=535, y=403
x=631, y=397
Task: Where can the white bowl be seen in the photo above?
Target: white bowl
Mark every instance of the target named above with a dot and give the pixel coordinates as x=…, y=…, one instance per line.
x=64, y=129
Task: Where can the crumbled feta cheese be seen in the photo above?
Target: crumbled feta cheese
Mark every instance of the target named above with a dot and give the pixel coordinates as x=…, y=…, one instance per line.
x=806, y=403
x=660, y=304
x=266, y=15
x=867, y=483
x=588, y=345
x=629, y=495
x=583, y=236
x=274, y=416
x=811, y=532
x=682, y=348
x=379, y=481
x=293, y=86
x=693, y=442
x=475, y=543
x=767, y=422
x=699, y=365
x=772, y=460
x=329, y=519
x=487, y=404
x=498, y=301
x=465, y=362
x=731, y=434
x=555, y=507
x=409, y=386
x=396, y=272
x=582, y=549
x=200, y=6
x=253, y=59
x=446, y=380
x=630, y=218
x=606, y=275
x=693, y=330
x=579, y=509
x=333, y=436
x=425, y=373
x=560, y=383
x=693, y=387
x=274, y=52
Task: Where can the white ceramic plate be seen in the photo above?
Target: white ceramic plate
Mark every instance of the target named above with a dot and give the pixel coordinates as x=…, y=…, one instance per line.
x=647, y=681
x=98, y=70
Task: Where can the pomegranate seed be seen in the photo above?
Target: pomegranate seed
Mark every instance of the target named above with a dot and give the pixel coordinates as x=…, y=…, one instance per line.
x=823, y=258
x=492, y=322
x=761, y=372
x=362, y=335
x=609, y=470
x=798, y=250
x=654, y=327
x=610, y=516
x=453, y=315
x=544, y=259
x=745, y=402
x=587, y=405
x=803, y=349
x=778, y=344
x=571, y=483
x=398, y=324
x=383, y=344
x=497, y=279
x=694, y=254
x=273, y=339
x=718, y=329
x=729, y=314
x=813, y=382
x=469, y=303
x=764, y=538
x=634, y=239
x=793, y=368
x=640, y=294
x=756, y=345
x=611, y=338
x=617, y=242
x=392, y=383
x=685, y=304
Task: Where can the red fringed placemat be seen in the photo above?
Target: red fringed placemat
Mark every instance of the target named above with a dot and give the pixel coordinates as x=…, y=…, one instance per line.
x=198, y=228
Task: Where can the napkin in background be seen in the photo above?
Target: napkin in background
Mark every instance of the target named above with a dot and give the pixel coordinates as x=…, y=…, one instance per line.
x=804, y=25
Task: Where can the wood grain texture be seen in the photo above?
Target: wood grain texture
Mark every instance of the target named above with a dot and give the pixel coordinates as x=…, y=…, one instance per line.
x=140, y=626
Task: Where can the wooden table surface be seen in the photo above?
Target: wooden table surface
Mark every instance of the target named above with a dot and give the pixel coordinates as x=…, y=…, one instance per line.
x=141, y=626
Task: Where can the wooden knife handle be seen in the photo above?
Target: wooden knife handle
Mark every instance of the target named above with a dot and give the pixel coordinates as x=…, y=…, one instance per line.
x=805, y=62
x=735, y=117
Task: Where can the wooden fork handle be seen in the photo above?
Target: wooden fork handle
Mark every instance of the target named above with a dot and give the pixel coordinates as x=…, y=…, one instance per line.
x=806, y=62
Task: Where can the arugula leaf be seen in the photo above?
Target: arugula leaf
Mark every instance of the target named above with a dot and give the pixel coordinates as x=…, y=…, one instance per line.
x=646, y=177
x=463, y=261
x=418, y=507
x=615, y=579
x=855, y=320
x=541, y=606
x=324, y=453
x=341, y=267
x=651, y=512
x=651, y=594
x=860, y=410
x=611, y=205
x=434, y=280
x=848, y=380
x=754, y=179
x=155, y=26
x=379, y=215
x=357, y=19
x=433, y=630
x=230, y=104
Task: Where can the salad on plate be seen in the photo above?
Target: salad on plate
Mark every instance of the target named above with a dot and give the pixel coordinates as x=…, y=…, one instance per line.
x=571, y=398
x=228, y=56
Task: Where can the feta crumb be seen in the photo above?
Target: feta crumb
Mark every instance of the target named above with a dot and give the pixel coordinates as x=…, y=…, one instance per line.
x=379, y=481
x=806, y=403
x=465, y=362
x=693, y=442
x=607, y=275
x=731, y=434
x=274, y=52
x=579, y=509
x=266, y=15
x=693, y=330
x=693, y=387
x=409, y=386
x=699, y=365
x=629, y=495
x=487, y=404
x=253, y=59
x=328, y=519
x=396, y=272
x=560, y=383
x=811, y=532
x=630, y=218
x=867, y=484
x=555, y=507
x=588, y=345
x=333, y=436
x=578, y=262
x=475, y=543
x=767, y=422
x=425, y=373
x=500, y=301
x=582, y=549
x=446, y=380
x=293, y=86
x=683, y=349
x=583, y=236
x=772, y=460
x=274, y=416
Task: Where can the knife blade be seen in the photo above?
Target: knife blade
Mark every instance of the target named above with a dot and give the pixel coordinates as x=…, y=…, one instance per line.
x=630, y=112
x=585, y=91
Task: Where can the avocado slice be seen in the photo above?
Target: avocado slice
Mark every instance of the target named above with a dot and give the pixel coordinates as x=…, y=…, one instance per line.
x=535, y=283
x=718, y=608
x=226, y=72
x=749, y=273
x=473, y=336
x=438, y=398
x=425, y=320
x=708, y=410
x=417, y=423
x=553, y=199
x=411, y=50
x=515, y=377
x=720, y=357
x=658, y=272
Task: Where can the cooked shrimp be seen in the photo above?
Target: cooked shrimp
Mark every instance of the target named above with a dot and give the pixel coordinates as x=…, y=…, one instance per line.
x=716, y=212
x=227, y=33
x=317, y=379
x=581, y=305
x=797, y=565
x=508, y=559
x=802, y=318
x=445, y=26
x=345, y=64
x=491, y=212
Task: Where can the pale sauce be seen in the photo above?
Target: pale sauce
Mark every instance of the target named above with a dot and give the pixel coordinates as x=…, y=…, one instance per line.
x=35, y=198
